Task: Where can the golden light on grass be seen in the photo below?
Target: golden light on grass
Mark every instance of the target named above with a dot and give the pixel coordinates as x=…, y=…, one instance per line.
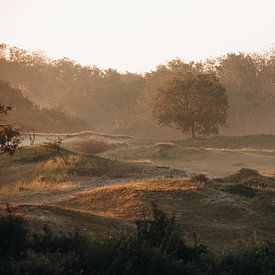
x=130, y=199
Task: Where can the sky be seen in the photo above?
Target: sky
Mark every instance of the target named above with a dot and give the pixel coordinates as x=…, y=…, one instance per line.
x=137, y=35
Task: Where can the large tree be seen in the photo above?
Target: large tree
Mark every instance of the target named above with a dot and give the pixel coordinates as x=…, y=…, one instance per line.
x=195, y=103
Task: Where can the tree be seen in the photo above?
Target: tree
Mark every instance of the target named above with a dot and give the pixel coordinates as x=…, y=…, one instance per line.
x=8, y=133
x=195, y=103
x=239, y=74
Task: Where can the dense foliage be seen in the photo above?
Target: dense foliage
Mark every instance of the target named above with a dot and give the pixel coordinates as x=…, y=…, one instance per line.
x=110, y=101
x=8, y=133
x=105, y=99
x=155, y=248
x=195, y=103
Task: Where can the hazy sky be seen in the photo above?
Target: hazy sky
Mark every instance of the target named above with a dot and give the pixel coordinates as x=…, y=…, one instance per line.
x=137, y=35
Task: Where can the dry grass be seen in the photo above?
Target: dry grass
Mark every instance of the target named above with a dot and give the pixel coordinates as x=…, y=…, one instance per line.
x=194, y=158
x=69, y=221
x=36, y=185
x=80, y=165
x=160, y=150
x=91, y=146
x=241, y=190
x=217, y=217
x=25, y=155
x=49, y=173
x=58, y=169
x=127, y=200
x=259, y=141
x=250, y=178
x=35, y=168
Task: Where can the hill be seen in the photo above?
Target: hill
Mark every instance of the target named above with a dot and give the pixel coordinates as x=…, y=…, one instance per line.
x=220, y=212
x=84, y=190
x=26, y=113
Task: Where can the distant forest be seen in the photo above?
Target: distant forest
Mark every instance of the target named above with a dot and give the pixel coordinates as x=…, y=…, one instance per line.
x=62, y=95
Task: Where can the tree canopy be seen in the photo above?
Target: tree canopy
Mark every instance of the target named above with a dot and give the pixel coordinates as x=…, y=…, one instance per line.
x=113, y=102
x=195, y=103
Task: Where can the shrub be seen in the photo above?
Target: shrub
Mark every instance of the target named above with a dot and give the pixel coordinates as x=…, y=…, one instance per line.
x=13, y=234
x=155, y=248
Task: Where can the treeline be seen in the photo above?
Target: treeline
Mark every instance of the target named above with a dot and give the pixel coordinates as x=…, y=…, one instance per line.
x=115, y=102
x=250, y=86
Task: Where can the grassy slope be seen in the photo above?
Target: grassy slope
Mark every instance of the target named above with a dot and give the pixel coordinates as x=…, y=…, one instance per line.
x=182, y=148
x=219, y=212
x=35, y=168
x=218, y=216
x=215, y=156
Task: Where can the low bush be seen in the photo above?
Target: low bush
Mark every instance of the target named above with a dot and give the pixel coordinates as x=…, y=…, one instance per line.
x=13, y=235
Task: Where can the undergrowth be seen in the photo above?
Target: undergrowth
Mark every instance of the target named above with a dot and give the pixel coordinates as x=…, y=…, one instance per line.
x=155, y=247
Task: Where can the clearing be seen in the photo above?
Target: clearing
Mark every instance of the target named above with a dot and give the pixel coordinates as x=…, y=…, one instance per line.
x=99, y=184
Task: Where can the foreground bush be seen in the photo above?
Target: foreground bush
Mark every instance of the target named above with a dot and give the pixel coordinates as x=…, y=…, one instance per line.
x=155, y=248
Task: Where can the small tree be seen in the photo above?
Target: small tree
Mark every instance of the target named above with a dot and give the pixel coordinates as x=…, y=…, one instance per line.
x=9, y=140
x=193, y=103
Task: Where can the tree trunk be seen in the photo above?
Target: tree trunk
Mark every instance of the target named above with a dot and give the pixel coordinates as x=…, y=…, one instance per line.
x=193, y=131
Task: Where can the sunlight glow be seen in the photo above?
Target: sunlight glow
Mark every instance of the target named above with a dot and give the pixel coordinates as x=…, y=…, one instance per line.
x=137, y=35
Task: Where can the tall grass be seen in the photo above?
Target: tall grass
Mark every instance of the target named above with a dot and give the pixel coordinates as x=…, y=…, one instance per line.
x=63, y=168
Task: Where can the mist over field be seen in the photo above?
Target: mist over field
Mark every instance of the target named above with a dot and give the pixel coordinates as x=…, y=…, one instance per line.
x=67, y=97
x=137, y=138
